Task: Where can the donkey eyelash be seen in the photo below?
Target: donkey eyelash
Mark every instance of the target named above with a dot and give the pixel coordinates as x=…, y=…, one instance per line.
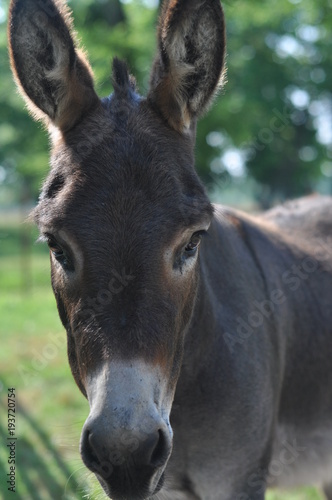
x=202, y=233
x=46, y=238
x=42, y=238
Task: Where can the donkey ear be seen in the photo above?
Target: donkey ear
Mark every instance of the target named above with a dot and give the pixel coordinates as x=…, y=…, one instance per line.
x=190, y=60
x=55, y=79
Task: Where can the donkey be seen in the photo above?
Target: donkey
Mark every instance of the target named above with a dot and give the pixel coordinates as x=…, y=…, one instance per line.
x=181, y=317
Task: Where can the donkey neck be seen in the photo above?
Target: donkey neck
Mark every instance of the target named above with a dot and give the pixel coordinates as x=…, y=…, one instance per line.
x=261, y=277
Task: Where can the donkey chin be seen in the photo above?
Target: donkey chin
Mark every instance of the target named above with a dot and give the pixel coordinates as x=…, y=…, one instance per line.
x=127, y=438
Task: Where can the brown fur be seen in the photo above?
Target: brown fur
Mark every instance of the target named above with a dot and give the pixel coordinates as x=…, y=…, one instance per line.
x=174, y=76
x=70, y=75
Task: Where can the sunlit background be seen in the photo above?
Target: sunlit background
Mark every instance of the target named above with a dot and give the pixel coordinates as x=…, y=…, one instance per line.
x=267, y=138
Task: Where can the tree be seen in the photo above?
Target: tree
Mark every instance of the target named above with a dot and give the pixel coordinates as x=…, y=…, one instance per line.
x=278, y=89
x=107, y=28
x=272, y=120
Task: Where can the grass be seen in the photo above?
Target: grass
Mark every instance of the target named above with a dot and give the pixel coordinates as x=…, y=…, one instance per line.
x=50, y=408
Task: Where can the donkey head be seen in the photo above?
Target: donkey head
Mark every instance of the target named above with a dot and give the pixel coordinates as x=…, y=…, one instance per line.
x=123, y=212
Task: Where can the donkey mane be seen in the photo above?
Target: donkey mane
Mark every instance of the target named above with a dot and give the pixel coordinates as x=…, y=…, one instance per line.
x=124, y=84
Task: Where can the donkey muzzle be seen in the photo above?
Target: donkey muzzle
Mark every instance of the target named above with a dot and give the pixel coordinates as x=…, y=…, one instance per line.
x=127, y=439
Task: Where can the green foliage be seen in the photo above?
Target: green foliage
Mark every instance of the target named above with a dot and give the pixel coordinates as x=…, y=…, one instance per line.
x=279, y=70
x=270, y=113
x=24, y=143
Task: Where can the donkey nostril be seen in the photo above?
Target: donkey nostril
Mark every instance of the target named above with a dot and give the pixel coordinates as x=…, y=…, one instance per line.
x=88, y=453
x=94, y=454
x=160, y=452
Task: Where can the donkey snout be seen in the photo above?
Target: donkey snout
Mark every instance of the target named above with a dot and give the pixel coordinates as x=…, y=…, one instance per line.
x=129, y=463
x=100, y=446
x=127, y=438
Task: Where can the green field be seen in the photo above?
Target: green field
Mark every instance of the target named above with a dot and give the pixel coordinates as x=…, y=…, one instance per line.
x=51, y=410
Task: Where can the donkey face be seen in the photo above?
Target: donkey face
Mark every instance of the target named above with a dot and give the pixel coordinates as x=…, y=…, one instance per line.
x=123, y=213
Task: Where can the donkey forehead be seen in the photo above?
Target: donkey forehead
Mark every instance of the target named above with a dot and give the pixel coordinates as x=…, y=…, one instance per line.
x=122, y=164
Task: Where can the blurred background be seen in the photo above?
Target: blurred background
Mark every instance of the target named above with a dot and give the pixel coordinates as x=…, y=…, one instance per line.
x=267, y=138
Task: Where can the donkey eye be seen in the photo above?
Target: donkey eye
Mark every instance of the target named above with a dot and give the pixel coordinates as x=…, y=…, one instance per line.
x=58, y=252
x=54, y=247
x=193, y=244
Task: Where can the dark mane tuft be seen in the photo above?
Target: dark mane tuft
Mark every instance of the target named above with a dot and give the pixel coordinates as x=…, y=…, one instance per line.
x=123, y=82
